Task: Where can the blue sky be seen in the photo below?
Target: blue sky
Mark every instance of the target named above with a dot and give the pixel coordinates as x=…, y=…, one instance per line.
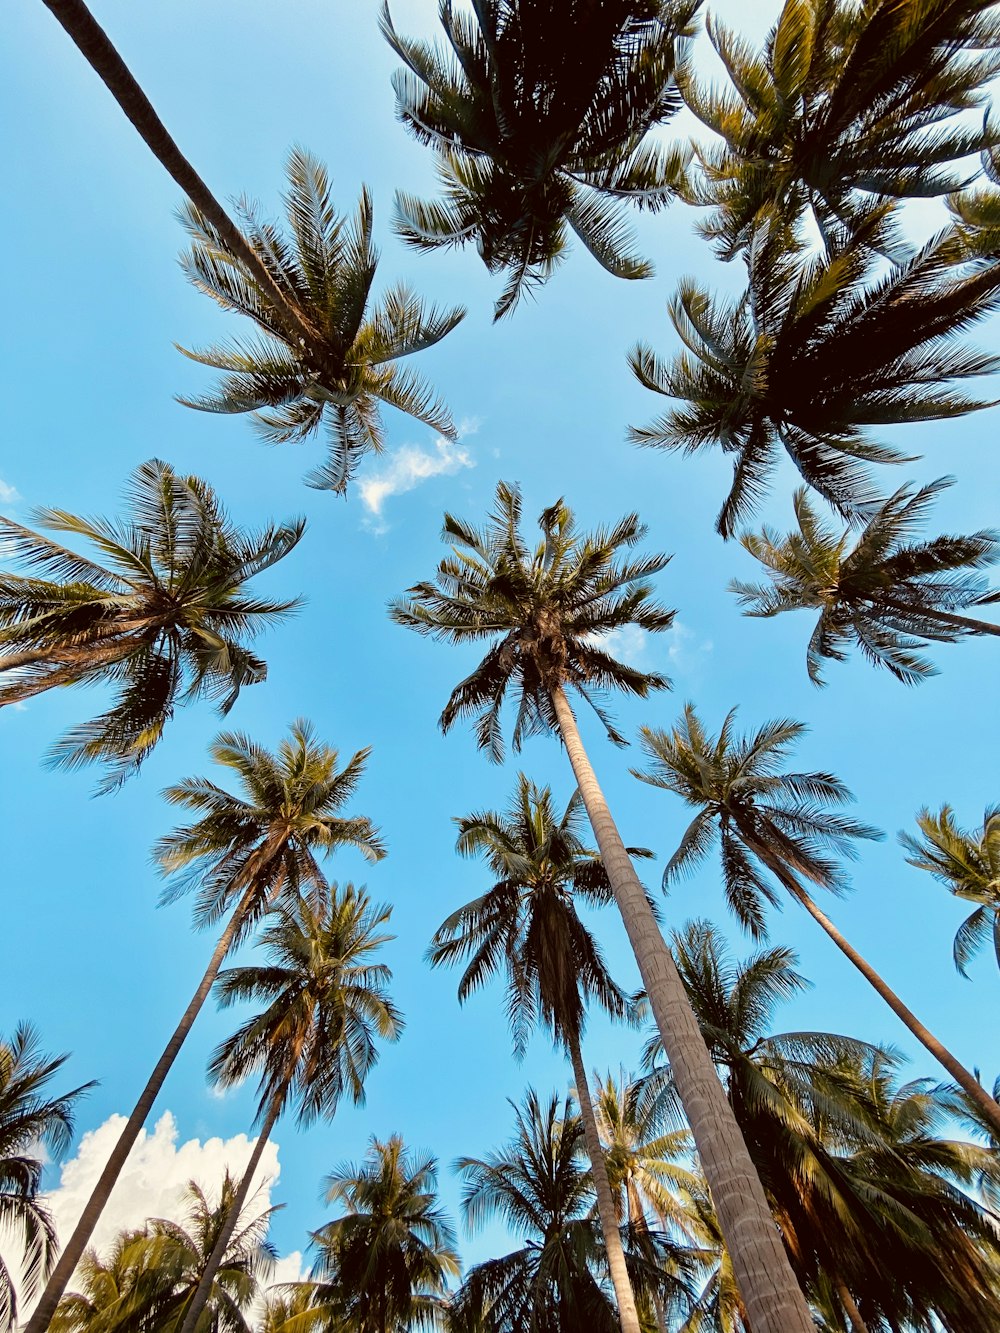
x=95, y=300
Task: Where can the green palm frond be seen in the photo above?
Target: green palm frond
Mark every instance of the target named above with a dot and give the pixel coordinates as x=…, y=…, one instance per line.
x=326, y=267
x=164, y=621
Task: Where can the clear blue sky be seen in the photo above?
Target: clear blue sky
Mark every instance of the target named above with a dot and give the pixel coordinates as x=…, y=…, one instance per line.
x=94, y=300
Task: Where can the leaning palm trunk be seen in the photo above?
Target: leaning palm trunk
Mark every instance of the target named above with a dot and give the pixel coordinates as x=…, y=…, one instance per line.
x=927, y=1039
x=77, y=1243
x=94, y=45
x=204, y=1289
x=773, y=1299
x=628, y=1315
x=858, y=1325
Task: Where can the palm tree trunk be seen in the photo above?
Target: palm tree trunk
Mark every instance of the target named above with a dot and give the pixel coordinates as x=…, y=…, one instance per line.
x=93, y=43
x=927, y=1039
x=628, y=1316
x=966, y=624
x=858, y=1325
x=204, y=1288
x=772, y=1297
x=77, y=1243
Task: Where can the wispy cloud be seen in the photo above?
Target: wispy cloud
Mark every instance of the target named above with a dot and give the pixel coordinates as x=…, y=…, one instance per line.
x=8, y=493
x=410, y=466
x=679, y=648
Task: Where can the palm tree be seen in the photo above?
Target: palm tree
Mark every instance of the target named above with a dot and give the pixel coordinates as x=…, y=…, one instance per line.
x=29, y=1118
x=772, y=823
x=315, y=1041
x=327, y=267
x=148, y=1280
x=538, y=1185
x=817, y=349
x=844, y=102
x=93, y=43
x=527, y=925
x=547, y=614
x=244, y=852
x=165, y=618
x=651, y=1186
x=884, y=593
x=539, y=116
x=385, y=1262
x=968, y=863
x=868, y=1197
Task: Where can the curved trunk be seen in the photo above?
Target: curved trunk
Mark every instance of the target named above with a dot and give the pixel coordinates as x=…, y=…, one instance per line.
x=628, y=1316
x=69, y=665
x=858, y=1325
x=772, y=1297
x=204, y=1288
x=964, y=624
x=93, y=43
x=966, y=1080
x=77, y=1243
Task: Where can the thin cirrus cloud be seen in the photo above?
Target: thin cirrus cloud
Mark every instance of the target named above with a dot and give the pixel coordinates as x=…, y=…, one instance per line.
x=153, y=1181
x=680, y=647
x=8, y=493
x=408, y=467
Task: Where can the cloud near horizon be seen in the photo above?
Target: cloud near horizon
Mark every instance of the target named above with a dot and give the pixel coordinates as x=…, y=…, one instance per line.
x=153, y=1181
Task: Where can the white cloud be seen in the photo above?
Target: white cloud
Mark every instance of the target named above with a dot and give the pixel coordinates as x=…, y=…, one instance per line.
x=635, y=646
x=407, y=467
x=684, y=650
x=628, y=644
x=8, y=494
x=154, y=1178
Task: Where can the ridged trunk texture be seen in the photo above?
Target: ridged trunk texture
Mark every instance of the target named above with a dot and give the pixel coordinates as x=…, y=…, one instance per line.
x=628, y=1316
x=77, y=1243
x=204, y=1288
x=964, y=1077
x=94, y=45
x=773, y=1299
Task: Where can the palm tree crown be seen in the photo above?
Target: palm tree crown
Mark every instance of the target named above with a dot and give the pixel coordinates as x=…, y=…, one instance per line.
x=29, y=1118
x=326, y=1003
x=527, y=922
x=967, y=863
x=540, y=117
x=387, y=1259
x=548, y=611
x=884, y=593
x=271, y=834
x=816, y=350
x=845, y=101
x=165, y=618
x=349, y=368
x=752, y=809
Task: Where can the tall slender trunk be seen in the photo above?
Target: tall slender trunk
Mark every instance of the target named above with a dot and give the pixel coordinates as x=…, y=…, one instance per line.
x=77, y=1243
x=965, y=624
x=927, y=1039
x=858, y=1325
x=772, y=1297
x=204, y=1288
x=93, y=43
x=628, y=1316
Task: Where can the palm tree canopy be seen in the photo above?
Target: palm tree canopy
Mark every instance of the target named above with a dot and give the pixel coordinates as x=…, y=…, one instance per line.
x=273, y=832
x=548, y=611
x=817, y=349
x=881, y=593
x=748, y=806
x=967, y=862
x=161, y=612
x=327, y=267
x=539, y=1186
x=539, y=115
x=326, y=1004
x=150, y=1276
x=29, y=1118
x=862, y=1186
x=845, y=101
x=527, y=924
x=385, y=1263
